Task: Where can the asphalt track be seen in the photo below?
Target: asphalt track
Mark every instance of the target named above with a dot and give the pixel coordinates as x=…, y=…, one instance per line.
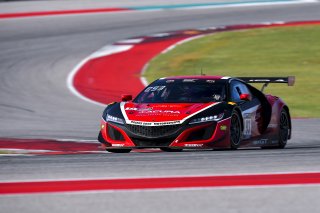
x=36, y=57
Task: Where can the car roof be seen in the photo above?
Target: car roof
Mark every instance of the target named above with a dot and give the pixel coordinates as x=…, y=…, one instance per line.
x=205, y=77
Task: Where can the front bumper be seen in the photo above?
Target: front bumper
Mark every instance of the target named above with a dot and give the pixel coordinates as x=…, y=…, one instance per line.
x=196, y=136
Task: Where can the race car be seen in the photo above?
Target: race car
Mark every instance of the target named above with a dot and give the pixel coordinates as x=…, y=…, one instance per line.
x=198, y=112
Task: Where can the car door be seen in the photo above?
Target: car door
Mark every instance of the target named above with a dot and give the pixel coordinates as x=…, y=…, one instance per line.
x=250, y=108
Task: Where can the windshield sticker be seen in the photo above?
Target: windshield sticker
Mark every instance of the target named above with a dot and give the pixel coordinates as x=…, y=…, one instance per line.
x=189, y=80
x=216, y=97
x=155, y=88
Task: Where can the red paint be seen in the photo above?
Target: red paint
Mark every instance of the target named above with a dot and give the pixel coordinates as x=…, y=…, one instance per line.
x=105, y=79
x=161, y=112
x=220, y=137
x=158, y=183
x=58, y=147
x=62, y=12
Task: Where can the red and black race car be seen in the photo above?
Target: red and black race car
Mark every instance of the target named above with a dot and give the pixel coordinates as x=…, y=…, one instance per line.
x=198, y=112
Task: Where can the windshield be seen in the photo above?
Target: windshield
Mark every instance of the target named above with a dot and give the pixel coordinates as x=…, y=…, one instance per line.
x=183, y=91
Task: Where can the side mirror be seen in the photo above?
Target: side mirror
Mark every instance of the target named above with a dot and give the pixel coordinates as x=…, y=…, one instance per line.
x=126, y=97
x=245, y=97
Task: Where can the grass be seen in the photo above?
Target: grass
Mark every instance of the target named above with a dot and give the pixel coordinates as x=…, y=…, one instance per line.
x=261, y=52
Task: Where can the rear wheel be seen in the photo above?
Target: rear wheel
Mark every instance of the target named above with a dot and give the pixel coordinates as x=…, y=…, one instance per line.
x=119, y=150
x=283, y=129
x=235, y=130
x=165, y=149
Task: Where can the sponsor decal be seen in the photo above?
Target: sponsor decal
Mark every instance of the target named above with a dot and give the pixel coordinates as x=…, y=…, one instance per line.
x=189, y=80
x=136, y=109
x=232, y=103
x=223, y=127
x=152, y=111
x=166, y=123
x=118, y=145
x=261, y=142
x=216, y=97
x=193, y=145
x=154, y=123
x=155, y=88
x=272, y=125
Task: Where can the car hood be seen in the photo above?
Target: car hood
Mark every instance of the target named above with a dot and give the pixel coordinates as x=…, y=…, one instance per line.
x=161, y=112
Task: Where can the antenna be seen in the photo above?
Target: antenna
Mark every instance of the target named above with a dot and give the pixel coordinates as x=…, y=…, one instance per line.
x=201, y=73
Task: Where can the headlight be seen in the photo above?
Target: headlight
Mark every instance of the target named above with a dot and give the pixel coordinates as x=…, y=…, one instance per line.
x=114, y=119
x=207, y=119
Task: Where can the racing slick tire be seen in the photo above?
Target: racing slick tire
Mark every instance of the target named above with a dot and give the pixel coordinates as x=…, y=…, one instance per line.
x=283, y=131
x=284, y=127
x=165, y=149
x=235, y=130
x=119, y=150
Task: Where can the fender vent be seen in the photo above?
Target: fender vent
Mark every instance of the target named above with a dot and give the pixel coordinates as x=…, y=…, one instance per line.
x=114, y=134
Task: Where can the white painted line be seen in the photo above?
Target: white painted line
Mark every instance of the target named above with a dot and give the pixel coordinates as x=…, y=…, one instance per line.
x=11, y=155
x=142, y=78
x=77, y=140
x=130, y=41
x=182, y=42
x=248, y=4
x=158, y=35
x=21, y=151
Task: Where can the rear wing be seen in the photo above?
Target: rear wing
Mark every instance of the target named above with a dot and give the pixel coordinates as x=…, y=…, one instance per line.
x=290, y=80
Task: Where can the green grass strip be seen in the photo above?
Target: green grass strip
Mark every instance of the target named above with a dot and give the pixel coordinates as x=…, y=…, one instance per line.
x=260, y=52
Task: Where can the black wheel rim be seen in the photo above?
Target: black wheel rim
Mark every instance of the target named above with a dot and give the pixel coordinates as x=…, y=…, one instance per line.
x=235, y=130
x=284, y=127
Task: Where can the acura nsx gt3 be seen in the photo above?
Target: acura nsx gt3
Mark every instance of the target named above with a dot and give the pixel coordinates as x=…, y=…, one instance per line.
x=198, y=112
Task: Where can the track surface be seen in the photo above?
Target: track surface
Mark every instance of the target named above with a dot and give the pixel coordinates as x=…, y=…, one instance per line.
x=36, y=56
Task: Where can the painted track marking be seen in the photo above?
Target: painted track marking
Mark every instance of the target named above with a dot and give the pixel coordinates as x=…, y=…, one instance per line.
x=154, y=183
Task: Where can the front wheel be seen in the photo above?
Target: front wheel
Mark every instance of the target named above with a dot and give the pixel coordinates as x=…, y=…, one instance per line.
x=119, y=150
x=235, y=130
